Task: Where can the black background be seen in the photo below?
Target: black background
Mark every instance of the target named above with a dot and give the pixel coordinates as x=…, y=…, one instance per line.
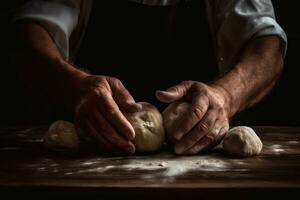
x=280, y=107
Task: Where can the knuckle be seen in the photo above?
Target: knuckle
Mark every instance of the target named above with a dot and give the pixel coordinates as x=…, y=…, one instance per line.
x=199, y=85
x=218, y=106
x=101, y=90
x=186, y=83
x=198, y=112
x=203, y=127
x=96, y=80
x=199, y=89
x=124, y=92
x=101, y=78
x=175, y=89
x=117, y=82
x=209, y=138
x=204, y=92
x=110, y=112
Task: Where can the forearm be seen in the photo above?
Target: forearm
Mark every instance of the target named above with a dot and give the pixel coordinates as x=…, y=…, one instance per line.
x=41, y=66
x=254, y=75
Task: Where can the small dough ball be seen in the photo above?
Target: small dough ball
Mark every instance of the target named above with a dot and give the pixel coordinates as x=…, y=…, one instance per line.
x=62, y=136
x=148, y=127
x=172, y=116
x=242, y=141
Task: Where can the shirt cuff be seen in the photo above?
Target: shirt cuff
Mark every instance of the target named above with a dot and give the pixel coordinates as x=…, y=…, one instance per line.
x=275, y=30
x=57, y=18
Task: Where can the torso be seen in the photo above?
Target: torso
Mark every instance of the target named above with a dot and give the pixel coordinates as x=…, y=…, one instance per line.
x=135, y=43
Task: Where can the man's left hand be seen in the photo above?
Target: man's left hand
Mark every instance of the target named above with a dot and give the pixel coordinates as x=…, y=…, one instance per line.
x=207, y=121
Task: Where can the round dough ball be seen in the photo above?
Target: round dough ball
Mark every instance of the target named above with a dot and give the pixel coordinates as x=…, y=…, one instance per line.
x=242, y=141
x=148, y=127
x=62, y=136
x=172, y=116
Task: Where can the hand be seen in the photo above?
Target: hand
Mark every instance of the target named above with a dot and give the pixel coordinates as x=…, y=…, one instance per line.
x=207, y=121
x=99, y=114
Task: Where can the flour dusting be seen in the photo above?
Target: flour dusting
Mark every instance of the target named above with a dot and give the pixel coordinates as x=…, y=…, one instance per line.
x=277, y=148
x=161, y=167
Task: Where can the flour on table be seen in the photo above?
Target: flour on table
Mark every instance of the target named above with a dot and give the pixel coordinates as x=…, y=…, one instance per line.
x=277, y=148
x=159, y=167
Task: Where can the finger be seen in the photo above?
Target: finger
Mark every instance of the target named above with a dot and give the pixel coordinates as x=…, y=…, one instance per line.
x=105, y=129
x=82, y=133
x=80, y=127
x=174, y=93
x=112, y=113
x=194, y=115
x=224, y=127
x=211, y=139
x=198, y=132
x=100, y=140
x=123, y=98
x=221, y=135
x=204, y=143
x=217, y=138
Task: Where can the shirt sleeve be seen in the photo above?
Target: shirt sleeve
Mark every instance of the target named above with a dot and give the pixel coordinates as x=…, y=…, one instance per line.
x=235, y=22
x=58, y=17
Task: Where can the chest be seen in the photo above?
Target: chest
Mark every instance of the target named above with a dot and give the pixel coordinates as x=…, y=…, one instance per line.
x=149, y=47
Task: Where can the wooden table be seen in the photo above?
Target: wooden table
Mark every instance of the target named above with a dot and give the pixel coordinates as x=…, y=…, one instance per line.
x=27, y=168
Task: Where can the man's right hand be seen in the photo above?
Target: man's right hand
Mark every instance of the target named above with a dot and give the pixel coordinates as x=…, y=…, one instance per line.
x=96, y=101
x=99, y=114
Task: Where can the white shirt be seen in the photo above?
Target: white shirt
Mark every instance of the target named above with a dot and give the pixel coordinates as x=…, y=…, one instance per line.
x=233, y=23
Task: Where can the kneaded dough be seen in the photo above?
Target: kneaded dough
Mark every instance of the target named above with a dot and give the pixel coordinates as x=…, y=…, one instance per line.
x=172, y=116
x=147, y=123
x=62, y=136
x=148, y=127
x=242, y=141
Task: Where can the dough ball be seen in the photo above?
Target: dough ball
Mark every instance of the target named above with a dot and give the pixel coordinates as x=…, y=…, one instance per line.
x=242, y=141
x=62, y=136
x=172, y=116
x=148, y=127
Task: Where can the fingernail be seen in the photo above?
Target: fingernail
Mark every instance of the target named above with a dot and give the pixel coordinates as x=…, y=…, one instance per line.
x=201, y=147
x=177, y=136
x=132, y=134
x=130, y=150
x=159, y=92
x=163, y=92
x=170, y=90
x=139, y=106
x=130, y=102
x=134, y=105
x=178, y=149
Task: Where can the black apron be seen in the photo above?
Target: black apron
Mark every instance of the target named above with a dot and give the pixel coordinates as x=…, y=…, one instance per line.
x=149, y=47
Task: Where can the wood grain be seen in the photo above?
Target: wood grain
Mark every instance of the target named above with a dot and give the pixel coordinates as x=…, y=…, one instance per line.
x=25, y=163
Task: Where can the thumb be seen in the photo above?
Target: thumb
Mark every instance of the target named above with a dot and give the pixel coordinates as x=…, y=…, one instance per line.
x=123, y=97
x=174, y=93
x=167, y=96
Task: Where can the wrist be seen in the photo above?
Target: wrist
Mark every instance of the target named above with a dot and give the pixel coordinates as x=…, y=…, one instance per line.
x=226, y=97
x=74, y=85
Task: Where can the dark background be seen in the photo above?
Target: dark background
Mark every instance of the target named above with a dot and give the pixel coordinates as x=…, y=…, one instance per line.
x=280, y=107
